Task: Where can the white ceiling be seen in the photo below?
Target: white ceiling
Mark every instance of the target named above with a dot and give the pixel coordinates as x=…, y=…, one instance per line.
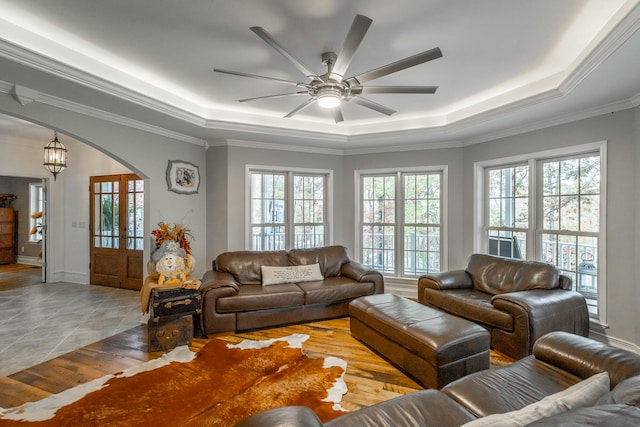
x=508, y=65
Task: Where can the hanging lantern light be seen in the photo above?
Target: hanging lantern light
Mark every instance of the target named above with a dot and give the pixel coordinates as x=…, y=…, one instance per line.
x=55, y=156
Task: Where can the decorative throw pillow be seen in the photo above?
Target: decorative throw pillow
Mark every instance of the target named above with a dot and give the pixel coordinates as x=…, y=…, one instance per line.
x=580, y=395
x=627, y=392
x=272, y=275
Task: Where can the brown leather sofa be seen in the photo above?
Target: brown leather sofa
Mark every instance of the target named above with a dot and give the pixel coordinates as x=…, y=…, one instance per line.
x=234, y=298
x=560, y=360
x=518, y=301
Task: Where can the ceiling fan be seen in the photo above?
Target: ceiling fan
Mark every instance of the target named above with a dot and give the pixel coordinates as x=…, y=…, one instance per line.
x=329, y=89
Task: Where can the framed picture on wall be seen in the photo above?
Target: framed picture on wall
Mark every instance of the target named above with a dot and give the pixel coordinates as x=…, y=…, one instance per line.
x=183, y=177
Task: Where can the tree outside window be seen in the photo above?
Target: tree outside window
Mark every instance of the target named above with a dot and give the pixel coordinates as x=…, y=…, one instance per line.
x=288, y=210
x=401, y=222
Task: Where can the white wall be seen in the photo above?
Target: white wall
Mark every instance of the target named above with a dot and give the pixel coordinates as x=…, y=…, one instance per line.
x=230, y=191
x=142, y=152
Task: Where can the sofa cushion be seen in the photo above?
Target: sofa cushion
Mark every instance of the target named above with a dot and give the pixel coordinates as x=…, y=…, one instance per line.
x=330, y=258
x=245, y=266
x=470, y=304
x=421, y=408
x=528, y=380
x=334, y=289
x=580, y=395
x=258, y=297
x=496, y=275
x=272, y=275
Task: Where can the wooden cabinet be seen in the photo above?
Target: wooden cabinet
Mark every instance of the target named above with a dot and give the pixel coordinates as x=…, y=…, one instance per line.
x=8, y=234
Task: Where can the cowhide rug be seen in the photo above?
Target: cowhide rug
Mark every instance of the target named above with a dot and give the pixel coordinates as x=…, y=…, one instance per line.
x=218, y=386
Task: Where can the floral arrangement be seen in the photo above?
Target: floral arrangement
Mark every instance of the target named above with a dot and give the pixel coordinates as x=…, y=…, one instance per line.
x=173, y=232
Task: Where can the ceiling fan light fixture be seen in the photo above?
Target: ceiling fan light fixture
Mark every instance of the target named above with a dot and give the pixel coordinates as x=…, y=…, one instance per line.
x=328, y=90
x=329, y=97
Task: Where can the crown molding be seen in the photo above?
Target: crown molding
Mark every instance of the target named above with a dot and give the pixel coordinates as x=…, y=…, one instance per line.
x=273, y=146
x=24, y=95
x=556, y=121
x=37, y=61
x=608, y=43
x=53, y=101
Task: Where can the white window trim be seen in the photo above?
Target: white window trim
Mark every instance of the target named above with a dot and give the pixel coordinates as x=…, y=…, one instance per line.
x=444, y=170
x=532, y=159
x=32, y=201
x=280, y=169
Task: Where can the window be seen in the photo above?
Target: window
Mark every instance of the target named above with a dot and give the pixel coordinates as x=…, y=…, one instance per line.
x=555, y=217
x=570, y=220
x=400, y=231
x=288, y=209
x=508, y=210
x=36, y=207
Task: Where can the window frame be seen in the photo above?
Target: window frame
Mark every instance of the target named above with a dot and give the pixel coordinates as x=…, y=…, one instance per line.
x=535, y=232
x=289, y=224
x=503, y=228
x=36, y=204
x=399, y=249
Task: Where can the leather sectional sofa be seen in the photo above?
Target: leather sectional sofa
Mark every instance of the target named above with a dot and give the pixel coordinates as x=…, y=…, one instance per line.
x=236, y=297
x=517, y=301
x=556, y=386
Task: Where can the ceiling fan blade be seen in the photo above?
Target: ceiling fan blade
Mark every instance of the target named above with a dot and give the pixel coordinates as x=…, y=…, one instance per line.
x=356, y=33
x=372, y=105
x=281, y=95
x=255, y=76
x=300, y=107
x=393, y=89
x=402, y=64
x=337, y=115
x=264, y=35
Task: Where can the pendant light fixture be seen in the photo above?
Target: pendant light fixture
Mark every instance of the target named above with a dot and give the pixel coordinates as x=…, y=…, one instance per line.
x=55, y=156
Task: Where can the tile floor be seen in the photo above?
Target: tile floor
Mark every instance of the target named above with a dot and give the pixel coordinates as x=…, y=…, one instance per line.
x=41, y=322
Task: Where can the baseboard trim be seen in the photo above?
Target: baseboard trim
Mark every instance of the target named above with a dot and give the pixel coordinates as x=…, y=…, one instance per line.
x=401, y=289
x=29, y=260
x=79, y=278
x=616, y=342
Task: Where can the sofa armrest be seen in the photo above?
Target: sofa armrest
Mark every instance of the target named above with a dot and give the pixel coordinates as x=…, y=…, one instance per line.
x=218, y=279
x=216, y=285
x=454, y=279
x=286, y=416
x=537, y=312
x=356, y=271
x=585, y=357
x=565, y=282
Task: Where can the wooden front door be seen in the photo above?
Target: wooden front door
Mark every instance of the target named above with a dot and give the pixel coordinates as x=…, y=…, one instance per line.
x=117, y=230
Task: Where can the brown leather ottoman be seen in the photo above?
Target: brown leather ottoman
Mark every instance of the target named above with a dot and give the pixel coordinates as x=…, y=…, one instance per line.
x=432, y=346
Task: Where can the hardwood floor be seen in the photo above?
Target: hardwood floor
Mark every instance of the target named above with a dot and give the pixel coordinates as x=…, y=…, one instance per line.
x=17, y=275
x=370, y=379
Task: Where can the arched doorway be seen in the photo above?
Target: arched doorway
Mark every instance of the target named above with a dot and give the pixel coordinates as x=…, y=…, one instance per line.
x=67, y=239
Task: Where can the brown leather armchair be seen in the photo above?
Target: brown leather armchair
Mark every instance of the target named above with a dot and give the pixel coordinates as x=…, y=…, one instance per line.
x=518, y=301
